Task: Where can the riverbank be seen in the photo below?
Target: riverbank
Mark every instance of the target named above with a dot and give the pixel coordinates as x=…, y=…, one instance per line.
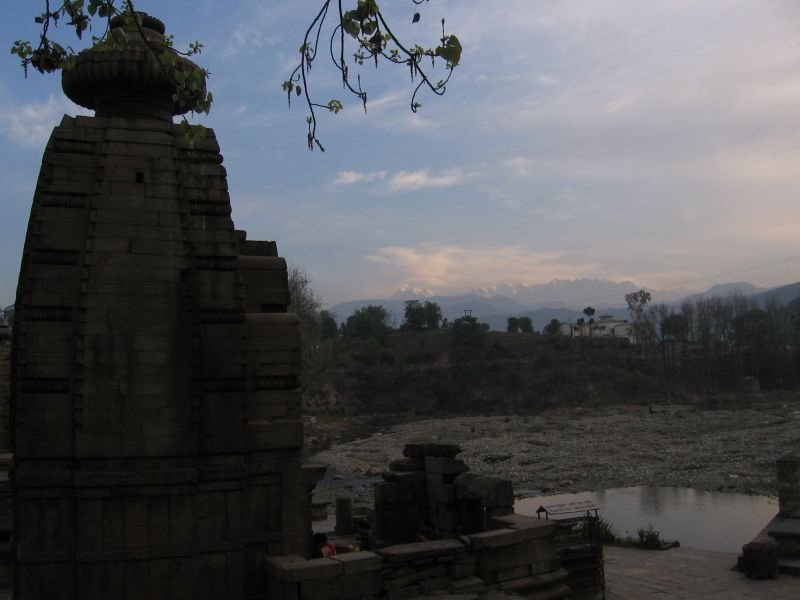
x=705, y=446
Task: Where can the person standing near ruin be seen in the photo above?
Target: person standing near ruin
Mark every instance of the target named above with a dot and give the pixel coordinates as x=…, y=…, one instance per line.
x=364, y=536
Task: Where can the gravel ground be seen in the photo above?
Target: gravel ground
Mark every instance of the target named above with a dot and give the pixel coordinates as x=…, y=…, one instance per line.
x=573, y=450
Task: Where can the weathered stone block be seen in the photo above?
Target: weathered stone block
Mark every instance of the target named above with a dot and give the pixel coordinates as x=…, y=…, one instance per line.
x=505, y=537
x=468, y=584
x=407, y=464
x=395, y=582
x=512, y=573
x=403, y=593
x=420, y=550
x=386, y=493
x=516, y=521
x=358, y=562
x=444, y=466
x=361, y=586
x=405, y=478
x=535, y=581
x=441, y=492
x=459, y=569
x=491, y=491
x=306, y=570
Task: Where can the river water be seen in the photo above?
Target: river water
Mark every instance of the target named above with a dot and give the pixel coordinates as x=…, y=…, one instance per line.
x=702, y=520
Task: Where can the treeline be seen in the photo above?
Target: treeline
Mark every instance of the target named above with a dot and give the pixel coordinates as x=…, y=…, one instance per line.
x=719, y=343
x=429, y=365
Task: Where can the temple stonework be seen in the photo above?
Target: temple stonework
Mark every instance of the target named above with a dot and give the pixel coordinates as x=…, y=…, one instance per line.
x=155, y=413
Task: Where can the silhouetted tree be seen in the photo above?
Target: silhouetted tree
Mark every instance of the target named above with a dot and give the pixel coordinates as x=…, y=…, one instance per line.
x=367, y=322
x=327, y=325
x=419, y=316
x=637, y=304
x=552, y=328
x=589, y=312
x=525, y=324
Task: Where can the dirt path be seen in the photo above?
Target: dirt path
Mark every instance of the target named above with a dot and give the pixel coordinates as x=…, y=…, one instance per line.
x=574, y=450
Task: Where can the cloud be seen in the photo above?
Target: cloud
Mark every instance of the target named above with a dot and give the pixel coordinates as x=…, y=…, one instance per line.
x=247, y=37
x=403, y=180
x=30, y=125
x=352, y=177
x=456, y=267
x=546, y=80
x=414, y=180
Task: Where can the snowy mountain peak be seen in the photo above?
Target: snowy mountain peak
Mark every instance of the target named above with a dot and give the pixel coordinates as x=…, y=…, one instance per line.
x=408, y=292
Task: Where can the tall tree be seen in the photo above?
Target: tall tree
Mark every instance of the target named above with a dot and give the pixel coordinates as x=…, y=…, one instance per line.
x=414, y=316
x=433, y=315
x=589, y=312
x=368, y=322
x=553, y=327
x=419, y=316
x=512, y=325
x=637, y=305
x=525, y=324
x=327, y=325
x=467, y=340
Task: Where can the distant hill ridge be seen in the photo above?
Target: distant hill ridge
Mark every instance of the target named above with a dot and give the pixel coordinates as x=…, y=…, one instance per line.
x=560, y=299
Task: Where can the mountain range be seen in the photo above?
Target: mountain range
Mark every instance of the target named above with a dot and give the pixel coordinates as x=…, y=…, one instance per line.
x=560, y=299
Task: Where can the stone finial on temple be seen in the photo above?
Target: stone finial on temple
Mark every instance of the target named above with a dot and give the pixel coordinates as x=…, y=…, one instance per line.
x=135, y=74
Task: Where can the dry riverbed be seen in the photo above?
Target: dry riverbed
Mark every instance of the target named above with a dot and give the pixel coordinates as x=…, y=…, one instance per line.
x=573, y=450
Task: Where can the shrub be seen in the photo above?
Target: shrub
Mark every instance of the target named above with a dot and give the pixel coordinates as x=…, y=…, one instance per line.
x=649, y=537
x=604, y=530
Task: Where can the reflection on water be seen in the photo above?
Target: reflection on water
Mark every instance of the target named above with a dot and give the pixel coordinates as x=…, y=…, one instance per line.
x=703, y=520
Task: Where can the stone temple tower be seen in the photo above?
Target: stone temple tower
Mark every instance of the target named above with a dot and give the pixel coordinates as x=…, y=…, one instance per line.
x=155, y=413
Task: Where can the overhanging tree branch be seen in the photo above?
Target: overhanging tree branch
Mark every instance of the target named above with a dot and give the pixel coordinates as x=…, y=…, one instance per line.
x=372, y=37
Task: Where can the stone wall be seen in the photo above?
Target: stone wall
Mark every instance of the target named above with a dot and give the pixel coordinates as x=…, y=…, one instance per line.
x=518, y=555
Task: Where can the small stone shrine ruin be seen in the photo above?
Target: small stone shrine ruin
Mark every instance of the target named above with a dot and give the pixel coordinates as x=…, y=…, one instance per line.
x=155, y=414
x=483, y=548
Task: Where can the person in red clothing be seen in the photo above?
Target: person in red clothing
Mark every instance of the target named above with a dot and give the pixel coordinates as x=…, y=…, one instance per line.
x=322, y=546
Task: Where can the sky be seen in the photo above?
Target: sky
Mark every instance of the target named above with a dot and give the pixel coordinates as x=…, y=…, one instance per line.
x=655, y=142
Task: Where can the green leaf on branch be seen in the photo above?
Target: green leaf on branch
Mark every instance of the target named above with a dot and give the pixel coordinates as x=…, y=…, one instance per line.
x=450, y=50
x=369, y=27
x=366, y=9
x=350, y=24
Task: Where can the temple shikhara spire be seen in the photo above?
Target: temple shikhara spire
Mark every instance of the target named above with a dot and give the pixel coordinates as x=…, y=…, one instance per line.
x=155, y=413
